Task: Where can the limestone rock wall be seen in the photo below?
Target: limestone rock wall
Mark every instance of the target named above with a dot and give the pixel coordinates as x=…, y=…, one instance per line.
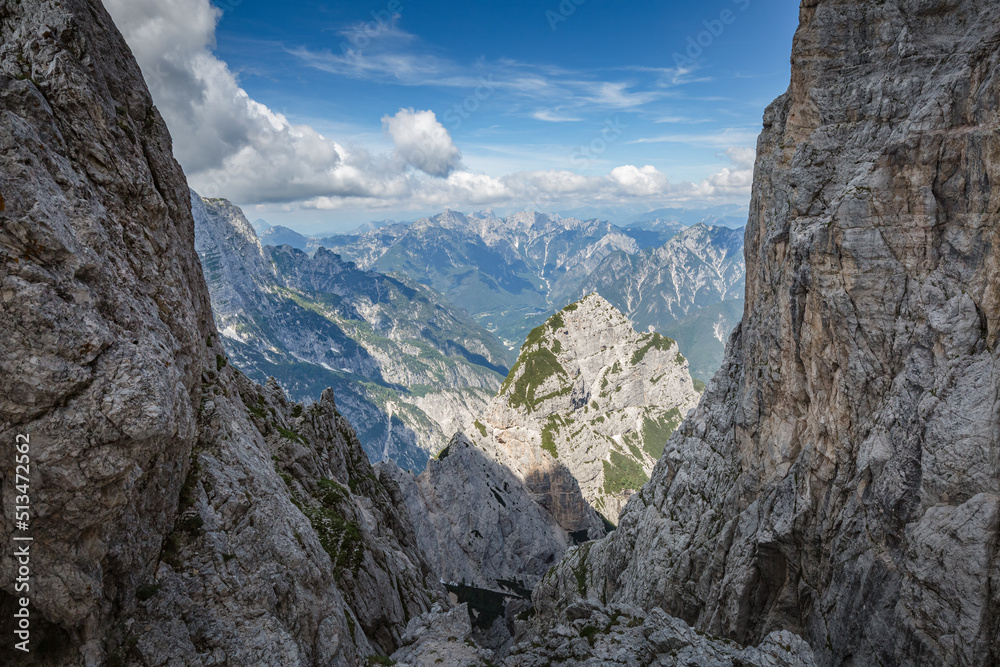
x=840, y=477
x=179, y=513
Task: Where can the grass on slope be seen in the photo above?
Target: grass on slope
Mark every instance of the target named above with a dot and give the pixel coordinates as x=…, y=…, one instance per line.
x=656, y=431
x=623, y=473
x=656, y=341
x=534, y=366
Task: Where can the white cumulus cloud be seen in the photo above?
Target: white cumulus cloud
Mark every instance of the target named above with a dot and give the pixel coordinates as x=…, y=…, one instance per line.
x=644, y=182
x=233, y=146
x=422, y=142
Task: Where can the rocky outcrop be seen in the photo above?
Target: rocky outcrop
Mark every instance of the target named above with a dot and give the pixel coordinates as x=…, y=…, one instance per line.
x=179, y=513
x=589, y=403
x=592, y=634
x=840, y=477
x=477, y=522
x=441, y=638
x=408, y=368
x=595, y=635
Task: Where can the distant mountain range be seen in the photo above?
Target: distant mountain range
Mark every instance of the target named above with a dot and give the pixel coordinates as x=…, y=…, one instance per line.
x=407, y=367
x=511, y=273
x=690, y=289
x=415, y=325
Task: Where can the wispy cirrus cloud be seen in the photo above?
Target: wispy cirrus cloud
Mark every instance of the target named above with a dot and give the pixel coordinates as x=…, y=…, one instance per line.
x=554, y=116
x=395, y=57
x=724, y=138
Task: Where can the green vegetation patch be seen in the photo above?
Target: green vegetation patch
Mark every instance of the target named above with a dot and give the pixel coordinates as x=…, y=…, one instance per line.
x=632, y=441
x=656, y=432
x=699, y=386
x=480, y=428
x=288, y=434
x=331, y=493
x=655, y=342
x=580, y=571
x=549, y=435
x=623, y=473
x=341, y=539
x=531, y=370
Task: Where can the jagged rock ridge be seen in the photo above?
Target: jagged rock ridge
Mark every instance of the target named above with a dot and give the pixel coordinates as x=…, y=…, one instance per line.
x=840, y=478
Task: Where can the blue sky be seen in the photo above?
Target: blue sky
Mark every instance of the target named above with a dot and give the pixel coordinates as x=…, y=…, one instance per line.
x=400, y=108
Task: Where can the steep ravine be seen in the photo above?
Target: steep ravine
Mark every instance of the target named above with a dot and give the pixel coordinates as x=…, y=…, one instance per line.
x=840, y=478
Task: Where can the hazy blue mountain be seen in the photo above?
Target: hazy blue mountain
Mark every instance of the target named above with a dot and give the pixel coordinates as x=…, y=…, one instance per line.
x=509, y=273
x=690, y=289
x=726, y=215
x=407, y=367
x=277, y=235
x=654, y=233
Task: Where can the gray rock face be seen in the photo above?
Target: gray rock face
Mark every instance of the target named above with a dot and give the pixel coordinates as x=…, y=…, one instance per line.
x=180, y=514
x=590, y=402
x=840, y=478
x=301, y=539
x=592, y=634
x=441, y=638
x=409, y=369
x=477, y=522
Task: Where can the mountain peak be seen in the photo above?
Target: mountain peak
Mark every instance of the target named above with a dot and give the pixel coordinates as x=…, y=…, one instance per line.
x=597, y=397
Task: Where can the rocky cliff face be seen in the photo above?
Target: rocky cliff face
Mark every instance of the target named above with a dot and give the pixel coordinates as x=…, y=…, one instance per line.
x=409, y=369
x=178, y=512
x=840, y=477
x=590, y=400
